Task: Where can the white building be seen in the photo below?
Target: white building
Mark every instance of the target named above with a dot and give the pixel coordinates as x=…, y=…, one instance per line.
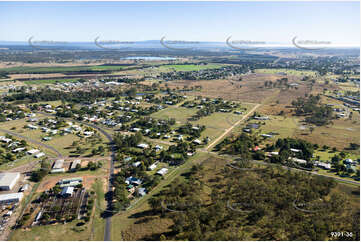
x=58, y=164
x=8, y=180
x=162, y=171
x=38, y=155
x=152, y=166
x=11, y=198
x=32, y=152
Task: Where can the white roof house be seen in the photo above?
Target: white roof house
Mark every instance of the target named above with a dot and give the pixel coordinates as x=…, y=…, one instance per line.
x=299, y=161
x=143, y=146
x=38, y=155
x=162, y=171
x=152, y=166
x=197, y=141
x=8, y=180
x=33, y=151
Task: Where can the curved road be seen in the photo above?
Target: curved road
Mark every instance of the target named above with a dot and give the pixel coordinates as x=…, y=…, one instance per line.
x=32, y=141
x=108, y=222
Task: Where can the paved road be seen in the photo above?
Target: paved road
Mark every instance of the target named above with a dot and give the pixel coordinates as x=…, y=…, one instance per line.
x=108, y=222
x=32, y=141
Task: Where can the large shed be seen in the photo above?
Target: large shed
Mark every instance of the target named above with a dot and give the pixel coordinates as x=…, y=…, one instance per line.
x=8, y=180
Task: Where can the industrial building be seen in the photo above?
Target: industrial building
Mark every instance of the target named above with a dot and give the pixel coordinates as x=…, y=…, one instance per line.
x=11, y=198
x=74, y=164
x=70, y=182
x=8, y=180
x=58, y=166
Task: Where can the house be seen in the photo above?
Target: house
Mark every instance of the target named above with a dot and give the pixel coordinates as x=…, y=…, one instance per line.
x=261, y=118
x=127, y=159
x=295, y=150
x=30, y=126
x=135, y=129
x=197, y=142
x=299, y=161
x=143, y=146
x=152, y=166
x=133, y=180
x=33, y=151
x=18, y=150
x=38, y=155
x=326, y=166
x=267, y=135
x=162, y=171
x=141, y=191
x=252, y=126
x=88, y=133
x=4, y=139
x=136, y=164
x=158, y=147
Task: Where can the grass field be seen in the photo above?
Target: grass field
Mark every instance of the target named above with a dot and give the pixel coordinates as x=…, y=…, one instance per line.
x=19, y=162
x=98, y=223
x=180, y=114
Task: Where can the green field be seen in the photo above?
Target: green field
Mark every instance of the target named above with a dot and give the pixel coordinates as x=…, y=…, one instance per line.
x=180, y=114
x=49, y=81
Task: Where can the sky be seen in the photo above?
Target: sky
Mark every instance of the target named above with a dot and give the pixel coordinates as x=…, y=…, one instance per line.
x=338, y=22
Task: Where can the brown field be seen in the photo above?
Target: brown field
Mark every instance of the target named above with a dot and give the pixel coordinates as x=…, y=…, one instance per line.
x=251, y=90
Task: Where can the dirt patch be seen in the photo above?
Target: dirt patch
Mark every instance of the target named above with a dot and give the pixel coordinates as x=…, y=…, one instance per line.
x=250, y=89
x=50, y=182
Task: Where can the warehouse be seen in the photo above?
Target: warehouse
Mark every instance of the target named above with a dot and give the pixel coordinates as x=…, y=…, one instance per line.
x=58, y=164
x=8, y=180
x=11, y=198
x=74, y=164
